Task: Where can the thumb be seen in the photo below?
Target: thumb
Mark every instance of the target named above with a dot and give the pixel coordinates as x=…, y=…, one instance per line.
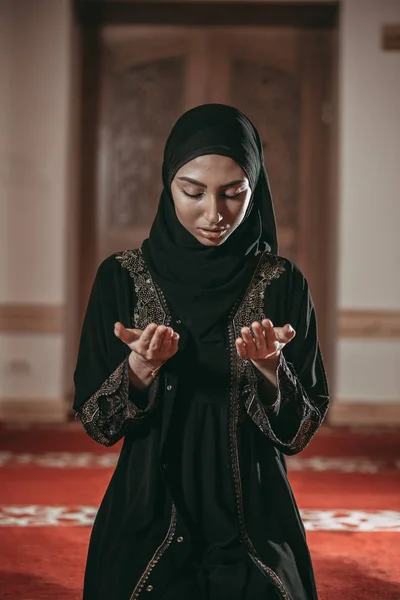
x=285, y=334
x=126, y=335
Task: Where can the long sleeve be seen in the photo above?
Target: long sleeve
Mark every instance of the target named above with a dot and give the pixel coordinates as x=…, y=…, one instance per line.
x=105, y=401
x=291, y=414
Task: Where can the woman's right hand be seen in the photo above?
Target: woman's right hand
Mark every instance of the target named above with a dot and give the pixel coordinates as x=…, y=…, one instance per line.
x=152, y=346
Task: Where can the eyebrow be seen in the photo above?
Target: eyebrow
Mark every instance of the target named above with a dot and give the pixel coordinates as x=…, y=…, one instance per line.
x=195, y=182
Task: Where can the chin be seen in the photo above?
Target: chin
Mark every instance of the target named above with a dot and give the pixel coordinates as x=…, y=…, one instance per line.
x=208, y=242
x=211, y=241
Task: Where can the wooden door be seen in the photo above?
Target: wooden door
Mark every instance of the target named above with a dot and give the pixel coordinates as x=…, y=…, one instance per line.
x=279, y=77
x=149, y=77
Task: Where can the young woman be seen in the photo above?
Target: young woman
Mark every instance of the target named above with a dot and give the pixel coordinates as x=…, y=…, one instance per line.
x=201, y=350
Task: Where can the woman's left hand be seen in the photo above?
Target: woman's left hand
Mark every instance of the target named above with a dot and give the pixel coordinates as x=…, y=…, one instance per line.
x=267, y=343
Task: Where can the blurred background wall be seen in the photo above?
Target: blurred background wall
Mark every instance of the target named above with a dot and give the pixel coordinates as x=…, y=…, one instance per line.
x=368, y=346
x=38, y=205
x=55, y=141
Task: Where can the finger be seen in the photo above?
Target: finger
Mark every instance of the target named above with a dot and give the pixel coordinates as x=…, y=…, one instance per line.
x=259, y=338
x=241, y=347
x=271, y=340
x=119, y=331
x=290, y=331
x=119, y=328
x=174, y=344
x=285, y=334
x=157, y=339
x=126, y=335
x=167, y=340
x=248, y=340
x=147, y=335
x=269, y=334
x=267, y=323
x=246, y=335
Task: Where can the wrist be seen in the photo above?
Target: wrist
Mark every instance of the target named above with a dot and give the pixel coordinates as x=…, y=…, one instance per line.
x=268, y=367
x=268, y=364
x=151, y=367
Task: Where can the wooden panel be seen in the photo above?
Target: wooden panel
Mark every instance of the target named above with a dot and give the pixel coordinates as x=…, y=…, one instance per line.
x=391, y=37
x=321, y=13
x=345, y=412
x=287, y=240
x=271, y=99
x=143, y=92
x=31, y=318
x=34, y=410
x=369, y=323
x=299, y=3
x=258, y=74
x=88, y=156
x=280, y=77
x=146, y=98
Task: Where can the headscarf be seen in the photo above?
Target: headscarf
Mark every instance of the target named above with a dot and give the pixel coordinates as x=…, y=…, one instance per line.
x=202, y=283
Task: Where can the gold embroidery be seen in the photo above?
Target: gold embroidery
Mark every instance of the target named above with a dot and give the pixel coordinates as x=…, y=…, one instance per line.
x=107, y=413
x=252, y=309
x=157, y=555
x=151, y=306
x=249, y=309
x=310, y=416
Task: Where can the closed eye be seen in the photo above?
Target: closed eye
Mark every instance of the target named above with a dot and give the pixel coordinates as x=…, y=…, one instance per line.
x=235, y=196
x=222, y=195
x=193, y=195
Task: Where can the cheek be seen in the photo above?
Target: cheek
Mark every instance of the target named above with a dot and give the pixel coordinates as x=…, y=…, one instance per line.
x=180, y=209
x=238, y=211
x=184, y=212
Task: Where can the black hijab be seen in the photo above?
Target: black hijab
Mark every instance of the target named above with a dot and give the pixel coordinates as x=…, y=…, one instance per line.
x=202, y=283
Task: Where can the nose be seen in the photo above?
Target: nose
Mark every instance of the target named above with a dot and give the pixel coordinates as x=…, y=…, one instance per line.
x=211, y=213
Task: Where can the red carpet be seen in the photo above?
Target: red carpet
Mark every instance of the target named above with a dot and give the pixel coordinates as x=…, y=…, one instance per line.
x=346, y=483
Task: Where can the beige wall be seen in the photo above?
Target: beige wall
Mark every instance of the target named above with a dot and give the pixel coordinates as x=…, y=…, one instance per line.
x=369, y=194
x=37, y=119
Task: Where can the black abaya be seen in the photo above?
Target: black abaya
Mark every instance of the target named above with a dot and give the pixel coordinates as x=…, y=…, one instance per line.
x=198, y=460
x=200, y=496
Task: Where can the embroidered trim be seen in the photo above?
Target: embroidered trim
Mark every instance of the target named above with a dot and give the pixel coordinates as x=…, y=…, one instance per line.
x=151, y=305
x=157, y=555
x=309, y=415
x=108, y=412
x=256, y=382
x=249, y=309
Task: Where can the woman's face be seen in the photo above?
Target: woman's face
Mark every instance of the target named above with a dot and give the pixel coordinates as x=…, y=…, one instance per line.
x=211, y=194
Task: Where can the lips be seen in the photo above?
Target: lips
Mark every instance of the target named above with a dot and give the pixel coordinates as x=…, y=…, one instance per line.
x=212, y=230
x=211, y=233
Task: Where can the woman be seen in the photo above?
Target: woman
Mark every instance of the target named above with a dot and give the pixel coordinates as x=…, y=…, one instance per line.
x=201, y=350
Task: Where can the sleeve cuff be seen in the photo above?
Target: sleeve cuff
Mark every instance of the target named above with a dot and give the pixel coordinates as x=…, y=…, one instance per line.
x=270, y=395
x=108, y=412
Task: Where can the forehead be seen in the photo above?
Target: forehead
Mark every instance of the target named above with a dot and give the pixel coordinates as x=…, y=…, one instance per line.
x=212, y=166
